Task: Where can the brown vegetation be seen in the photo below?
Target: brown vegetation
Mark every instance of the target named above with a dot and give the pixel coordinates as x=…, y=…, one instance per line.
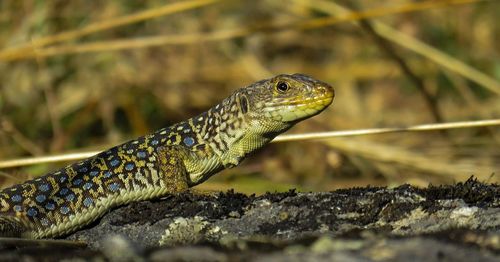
x=78, y=76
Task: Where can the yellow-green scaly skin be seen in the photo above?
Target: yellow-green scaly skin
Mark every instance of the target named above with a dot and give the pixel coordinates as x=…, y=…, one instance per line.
x=168, y=161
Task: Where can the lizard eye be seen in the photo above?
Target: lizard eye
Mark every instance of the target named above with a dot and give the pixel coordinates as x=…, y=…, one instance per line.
x=282, y=87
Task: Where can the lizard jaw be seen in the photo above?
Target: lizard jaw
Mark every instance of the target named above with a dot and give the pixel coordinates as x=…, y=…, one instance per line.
x=292, y=112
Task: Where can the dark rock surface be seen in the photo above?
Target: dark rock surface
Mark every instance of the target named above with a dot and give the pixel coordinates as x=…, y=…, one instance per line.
x=443, y=223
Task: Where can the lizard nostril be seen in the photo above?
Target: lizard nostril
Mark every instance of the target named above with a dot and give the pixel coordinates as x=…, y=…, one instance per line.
x=325, y=89
x=322, y=89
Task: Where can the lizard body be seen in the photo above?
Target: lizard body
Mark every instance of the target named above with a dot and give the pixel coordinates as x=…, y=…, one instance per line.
x=169, y=160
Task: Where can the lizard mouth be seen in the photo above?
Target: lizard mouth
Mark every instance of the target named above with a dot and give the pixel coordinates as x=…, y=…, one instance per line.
x=298, y=109
x=325, y=99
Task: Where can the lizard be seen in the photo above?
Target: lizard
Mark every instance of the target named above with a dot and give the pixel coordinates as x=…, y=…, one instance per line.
x=170, y=160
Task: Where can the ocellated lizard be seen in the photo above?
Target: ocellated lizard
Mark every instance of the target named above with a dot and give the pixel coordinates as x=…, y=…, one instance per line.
x=169, y=160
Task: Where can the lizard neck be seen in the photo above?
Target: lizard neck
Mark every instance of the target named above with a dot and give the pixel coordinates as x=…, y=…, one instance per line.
x=221, y=137
x=236, y=133
x=238, y=130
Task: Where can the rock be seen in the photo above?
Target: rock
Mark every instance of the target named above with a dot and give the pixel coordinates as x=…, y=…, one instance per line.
x=454, y=223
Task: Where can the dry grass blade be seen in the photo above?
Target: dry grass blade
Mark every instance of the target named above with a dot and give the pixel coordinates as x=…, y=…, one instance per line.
x=378, y=12
x=438, y=166
x=196, y=38
x=47, y=159
x=9, y=176
x=139, y=43
x=282, y=138
x=414, y=44
x=373, y=131
x=16, y=52
x=8, y=127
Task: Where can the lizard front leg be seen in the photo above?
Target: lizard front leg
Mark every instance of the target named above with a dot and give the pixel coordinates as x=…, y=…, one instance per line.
x=172, y=168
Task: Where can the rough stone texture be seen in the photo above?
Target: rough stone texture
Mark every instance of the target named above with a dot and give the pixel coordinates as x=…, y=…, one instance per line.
x=444, y=223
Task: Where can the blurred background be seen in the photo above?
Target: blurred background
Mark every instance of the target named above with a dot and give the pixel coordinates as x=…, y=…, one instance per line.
x=79, y=75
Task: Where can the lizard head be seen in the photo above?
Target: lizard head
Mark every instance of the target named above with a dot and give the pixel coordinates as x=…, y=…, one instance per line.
x=280, y=102
x=251, y=117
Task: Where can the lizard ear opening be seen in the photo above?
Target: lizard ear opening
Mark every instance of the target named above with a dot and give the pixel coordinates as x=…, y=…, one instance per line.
x=243, y=104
